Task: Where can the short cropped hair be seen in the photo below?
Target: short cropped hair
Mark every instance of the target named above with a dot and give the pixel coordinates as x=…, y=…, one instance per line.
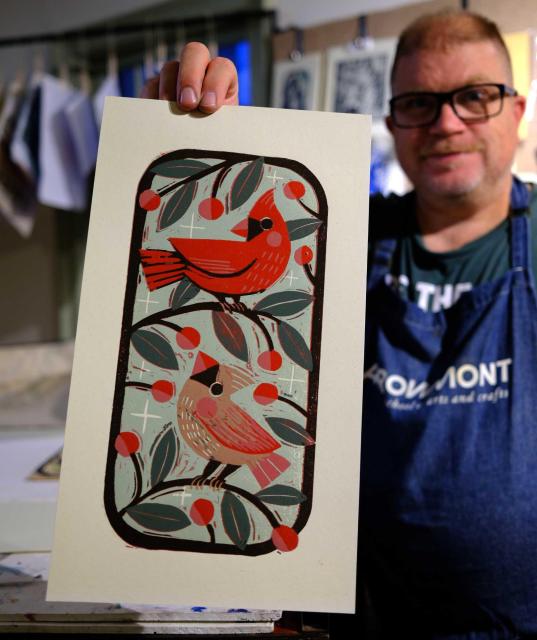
x=442, y=30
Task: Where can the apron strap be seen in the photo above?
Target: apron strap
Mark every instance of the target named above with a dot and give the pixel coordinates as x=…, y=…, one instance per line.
x=520, y=227
x=381, y=261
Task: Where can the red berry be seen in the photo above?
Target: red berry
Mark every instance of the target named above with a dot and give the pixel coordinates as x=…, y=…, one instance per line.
x=269, y=360
x=294, y=189
x=202, y=512
x=284, y=538
x=162, y=390
x=149, y=200
x=303, y=255
x=211, y=208
x=188, y=338
x=127, y=443
x=265, y=393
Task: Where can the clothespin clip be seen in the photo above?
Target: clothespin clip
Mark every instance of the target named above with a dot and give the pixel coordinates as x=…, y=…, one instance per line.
x=38, y=64
x=149, y=59
x=162, y=48
x=61, y=60
x=297, y=52
x=212, y=40
x=362, y=39
x=180, y=39
x=112, y=63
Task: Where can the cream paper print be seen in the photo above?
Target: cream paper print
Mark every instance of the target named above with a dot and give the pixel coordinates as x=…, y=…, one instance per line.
x=212, y=446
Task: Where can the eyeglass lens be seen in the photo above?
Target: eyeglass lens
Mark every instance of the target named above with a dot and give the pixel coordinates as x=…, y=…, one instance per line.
x=469, y=103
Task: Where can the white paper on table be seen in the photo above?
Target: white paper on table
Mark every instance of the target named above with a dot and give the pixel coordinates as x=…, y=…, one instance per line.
x=109, y=87
x=61, y=184
x=27, y=507
x=83, y=132
x=91, y=562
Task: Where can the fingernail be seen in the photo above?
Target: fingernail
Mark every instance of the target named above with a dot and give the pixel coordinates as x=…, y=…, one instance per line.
x=208, y=99
x=188, y=96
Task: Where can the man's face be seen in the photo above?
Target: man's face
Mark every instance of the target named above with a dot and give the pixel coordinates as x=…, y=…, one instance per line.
x=450, y=158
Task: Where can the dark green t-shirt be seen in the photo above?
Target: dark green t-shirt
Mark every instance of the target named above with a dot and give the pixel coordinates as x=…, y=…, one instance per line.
x=433, y=280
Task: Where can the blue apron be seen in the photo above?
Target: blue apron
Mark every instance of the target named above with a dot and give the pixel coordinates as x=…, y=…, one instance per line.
x=448, y=512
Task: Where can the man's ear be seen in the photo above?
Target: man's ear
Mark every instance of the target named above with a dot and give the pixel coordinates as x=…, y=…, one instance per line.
x=389, y=123
x=519, y=107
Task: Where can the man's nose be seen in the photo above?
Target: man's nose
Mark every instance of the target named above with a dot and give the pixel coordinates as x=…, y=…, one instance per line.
x=448, y=121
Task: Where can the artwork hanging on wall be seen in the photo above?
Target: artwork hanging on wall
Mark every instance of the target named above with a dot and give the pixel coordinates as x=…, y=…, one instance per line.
x=213, y=428
x=358, y=79
x=297, y=84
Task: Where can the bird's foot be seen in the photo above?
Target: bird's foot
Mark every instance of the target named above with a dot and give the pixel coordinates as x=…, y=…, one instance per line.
x=212, y=483
x=216, y=483
x=238, y=306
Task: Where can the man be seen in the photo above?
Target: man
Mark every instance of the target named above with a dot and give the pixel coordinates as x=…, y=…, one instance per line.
x=448, y=513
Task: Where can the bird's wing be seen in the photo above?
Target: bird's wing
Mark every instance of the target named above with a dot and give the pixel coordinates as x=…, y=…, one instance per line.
x=224, y=258
x=237, y=430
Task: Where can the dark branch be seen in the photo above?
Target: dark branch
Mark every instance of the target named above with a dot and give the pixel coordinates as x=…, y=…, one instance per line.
x=162, y=487
x=294, y=405
x=309, y=274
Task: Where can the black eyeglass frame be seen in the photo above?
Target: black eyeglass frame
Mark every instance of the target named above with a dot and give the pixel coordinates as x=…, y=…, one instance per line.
x=447, y=96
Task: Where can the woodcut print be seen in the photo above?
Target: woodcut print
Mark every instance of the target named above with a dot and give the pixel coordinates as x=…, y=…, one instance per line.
x=212, y=441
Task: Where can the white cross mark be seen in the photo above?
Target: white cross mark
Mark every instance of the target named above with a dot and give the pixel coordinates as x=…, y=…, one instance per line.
x=191, y=226
x=273, y=178
x=147, y=301
x=145, y=415
x=292, y=379
x=291, y=277
x=142, y=369
x=184, y=494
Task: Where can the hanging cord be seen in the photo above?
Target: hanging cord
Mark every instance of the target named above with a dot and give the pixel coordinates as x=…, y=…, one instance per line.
x=362, y=39
x=298, y=50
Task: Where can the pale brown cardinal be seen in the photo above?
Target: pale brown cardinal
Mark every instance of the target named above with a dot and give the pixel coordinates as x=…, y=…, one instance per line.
x=227, y=267
x=219, y=430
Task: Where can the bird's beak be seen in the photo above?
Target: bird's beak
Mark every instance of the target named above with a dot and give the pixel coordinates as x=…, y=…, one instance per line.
x=203, y=362
x=241, y=229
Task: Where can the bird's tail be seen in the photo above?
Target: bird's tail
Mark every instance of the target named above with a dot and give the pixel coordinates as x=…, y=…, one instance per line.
x=161, y=267
x=268, y=469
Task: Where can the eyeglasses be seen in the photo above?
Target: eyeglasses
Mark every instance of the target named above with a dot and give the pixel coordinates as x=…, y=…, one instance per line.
x=472, y=103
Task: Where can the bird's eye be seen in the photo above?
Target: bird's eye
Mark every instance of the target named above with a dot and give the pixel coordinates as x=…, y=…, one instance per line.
x=266, y=223
x=216, y=389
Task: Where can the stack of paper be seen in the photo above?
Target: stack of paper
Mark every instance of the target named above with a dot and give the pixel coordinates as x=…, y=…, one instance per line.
x=23, y=609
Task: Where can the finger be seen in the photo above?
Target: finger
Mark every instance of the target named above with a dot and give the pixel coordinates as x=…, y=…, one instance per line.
x=194, y=60
x=168, y=80
x=150, y=89
x=221, y=85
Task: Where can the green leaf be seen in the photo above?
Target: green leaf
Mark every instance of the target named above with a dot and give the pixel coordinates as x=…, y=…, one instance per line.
x=183, y=168
x=177, y=205
x=285, y=303
x=229, y=333
x=158, y=517
x=154, y=348
x=246, y=182
x=290, y=431
x=185, y=291
x=295, y=346
x=302, y=228
x=164, y=457
x=235, y=519
x=281, y=495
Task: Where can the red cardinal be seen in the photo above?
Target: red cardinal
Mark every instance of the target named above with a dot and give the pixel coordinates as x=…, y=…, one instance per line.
x=220, y=431
x=227, y=267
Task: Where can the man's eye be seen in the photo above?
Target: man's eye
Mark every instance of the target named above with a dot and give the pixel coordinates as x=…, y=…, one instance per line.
x=480, y=95
x=415, y=103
